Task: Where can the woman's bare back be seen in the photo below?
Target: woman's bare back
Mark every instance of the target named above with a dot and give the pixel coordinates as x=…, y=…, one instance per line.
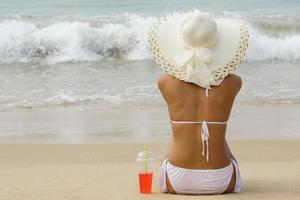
x=188, y=102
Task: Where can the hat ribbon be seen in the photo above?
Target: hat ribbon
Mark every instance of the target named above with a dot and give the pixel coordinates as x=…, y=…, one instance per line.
x=195, y=61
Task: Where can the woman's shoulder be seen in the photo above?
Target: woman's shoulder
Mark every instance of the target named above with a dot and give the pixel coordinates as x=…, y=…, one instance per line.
x=235, y=78
x=166, y=80
x=234, y=81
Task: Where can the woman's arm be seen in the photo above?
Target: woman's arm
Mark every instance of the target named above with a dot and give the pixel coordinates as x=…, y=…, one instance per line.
x=169, y=148
x=228, y=151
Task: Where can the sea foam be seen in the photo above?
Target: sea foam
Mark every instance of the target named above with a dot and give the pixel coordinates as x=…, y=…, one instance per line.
x=76, y=41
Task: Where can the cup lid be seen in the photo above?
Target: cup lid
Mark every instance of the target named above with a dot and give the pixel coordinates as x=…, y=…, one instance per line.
x=142, y=157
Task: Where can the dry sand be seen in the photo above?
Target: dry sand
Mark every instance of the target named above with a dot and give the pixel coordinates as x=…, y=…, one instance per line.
x=270, y=170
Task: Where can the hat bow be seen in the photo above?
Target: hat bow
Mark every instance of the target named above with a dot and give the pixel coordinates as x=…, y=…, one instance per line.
x=195, y=61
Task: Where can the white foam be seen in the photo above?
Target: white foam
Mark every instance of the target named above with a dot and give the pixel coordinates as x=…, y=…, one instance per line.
x=73, y=41
x=123, y=36
x=263, y=47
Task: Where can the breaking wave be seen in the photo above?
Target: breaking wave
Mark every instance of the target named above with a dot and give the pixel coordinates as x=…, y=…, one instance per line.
x=122, y=37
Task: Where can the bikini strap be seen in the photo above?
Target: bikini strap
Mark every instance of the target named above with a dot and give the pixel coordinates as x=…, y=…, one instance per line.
x=204, y=132
x=204, y=138
x=206, y=92
x=195, y=122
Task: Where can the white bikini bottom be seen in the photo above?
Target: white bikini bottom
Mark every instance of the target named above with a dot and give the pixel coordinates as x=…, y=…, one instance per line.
x=198, y=181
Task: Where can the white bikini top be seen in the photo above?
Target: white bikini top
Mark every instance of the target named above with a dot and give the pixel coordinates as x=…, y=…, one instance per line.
x=204, y=134
x=204, y=128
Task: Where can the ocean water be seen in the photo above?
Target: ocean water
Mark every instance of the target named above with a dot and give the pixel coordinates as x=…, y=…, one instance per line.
x=58, y=53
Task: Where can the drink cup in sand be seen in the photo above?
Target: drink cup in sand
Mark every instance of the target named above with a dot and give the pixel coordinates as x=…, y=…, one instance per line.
x=145, y=159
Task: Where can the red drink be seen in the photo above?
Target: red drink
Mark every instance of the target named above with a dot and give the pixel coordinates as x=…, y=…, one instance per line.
x=145, y=160
x=145, y=182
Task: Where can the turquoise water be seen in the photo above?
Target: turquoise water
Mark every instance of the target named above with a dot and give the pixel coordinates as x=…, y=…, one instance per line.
x=96, y=7
x=87, y=54
x=53, y=53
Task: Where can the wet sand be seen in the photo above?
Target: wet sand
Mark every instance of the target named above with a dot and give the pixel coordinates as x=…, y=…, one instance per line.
x=137, y=124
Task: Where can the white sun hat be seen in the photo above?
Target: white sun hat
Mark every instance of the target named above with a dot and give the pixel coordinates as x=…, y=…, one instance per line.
x=193, y=47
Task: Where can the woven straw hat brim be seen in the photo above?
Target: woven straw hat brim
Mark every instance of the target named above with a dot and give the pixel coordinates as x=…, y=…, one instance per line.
x=219, y=71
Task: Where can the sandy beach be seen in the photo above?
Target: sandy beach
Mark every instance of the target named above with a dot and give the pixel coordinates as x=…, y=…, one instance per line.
x=270, y=170
x=79, y=98
x=71, y=154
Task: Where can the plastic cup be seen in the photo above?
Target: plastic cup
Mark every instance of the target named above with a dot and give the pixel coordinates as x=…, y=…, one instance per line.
x=145, y=174
x=145, y=180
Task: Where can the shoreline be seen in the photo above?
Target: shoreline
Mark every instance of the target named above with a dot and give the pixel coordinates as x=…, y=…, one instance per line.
x=138, y=124
x=109, y=171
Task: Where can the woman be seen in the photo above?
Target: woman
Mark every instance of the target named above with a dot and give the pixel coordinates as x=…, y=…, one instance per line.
x=198, y=54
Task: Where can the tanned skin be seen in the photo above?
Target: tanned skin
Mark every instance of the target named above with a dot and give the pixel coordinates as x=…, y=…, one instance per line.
x=188, y=102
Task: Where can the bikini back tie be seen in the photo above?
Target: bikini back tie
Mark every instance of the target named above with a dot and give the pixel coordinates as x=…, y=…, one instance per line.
x=204, y=132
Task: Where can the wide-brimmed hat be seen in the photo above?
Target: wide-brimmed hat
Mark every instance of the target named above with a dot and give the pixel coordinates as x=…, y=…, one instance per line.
x=194, y=47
